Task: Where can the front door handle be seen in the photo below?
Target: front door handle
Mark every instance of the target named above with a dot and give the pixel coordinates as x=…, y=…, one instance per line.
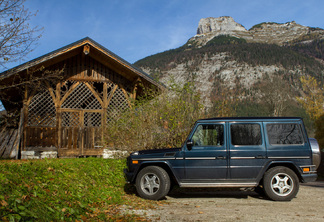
x=260, y=157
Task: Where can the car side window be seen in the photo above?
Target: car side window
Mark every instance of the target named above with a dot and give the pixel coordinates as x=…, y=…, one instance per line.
x=245, y=134
x=208, y=135
x=285, y=133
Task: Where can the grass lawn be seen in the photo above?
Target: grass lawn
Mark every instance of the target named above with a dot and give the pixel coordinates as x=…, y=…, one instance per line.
x=66, y=190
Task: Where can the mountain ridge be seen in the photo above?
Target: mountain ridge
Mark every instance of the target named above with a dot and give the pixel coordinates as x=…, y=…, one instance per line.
x=223, y=64
x=266, y=32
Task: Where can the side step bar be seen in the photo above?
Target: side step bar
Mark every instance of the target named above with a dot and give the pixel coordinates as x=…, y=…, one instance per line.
x=218, y=184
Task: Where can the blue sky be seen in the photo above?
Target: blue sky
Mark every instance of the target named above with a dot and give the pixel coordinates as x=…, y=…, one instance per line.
x=134, y=29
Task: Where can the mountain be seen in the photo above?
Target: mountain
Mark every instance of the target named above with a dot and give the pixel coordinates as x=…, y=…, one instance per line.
x=225, y=60
x=268, y=32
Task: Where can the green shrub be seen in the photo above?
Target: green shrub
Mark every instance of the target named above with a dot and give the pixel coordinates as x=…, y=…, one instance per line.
x=161, y=122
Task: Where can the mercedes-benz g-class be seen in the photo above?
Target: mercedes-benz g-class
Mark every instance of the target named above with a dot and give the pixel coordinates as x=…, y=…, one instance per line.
x=272, y=154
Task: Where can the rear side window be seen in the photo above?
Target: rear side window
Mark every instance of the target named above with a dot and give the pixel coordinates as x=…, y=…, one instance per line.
x=284, y=134
x=246, y=134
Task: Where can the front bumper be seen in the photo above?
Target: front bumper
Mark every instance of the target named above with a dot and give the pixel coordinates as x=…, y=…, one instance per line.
x=128, y=175
x=309, y=177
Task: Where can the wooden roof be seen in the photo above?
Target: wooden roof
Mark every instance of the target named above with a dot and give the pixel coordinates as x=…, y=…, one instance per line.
x=96, y=51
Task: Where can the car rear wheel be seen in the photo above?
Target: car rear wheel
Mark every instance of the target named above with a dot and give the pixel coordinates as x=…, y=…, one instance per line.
x=152, y=183
x=281, y=183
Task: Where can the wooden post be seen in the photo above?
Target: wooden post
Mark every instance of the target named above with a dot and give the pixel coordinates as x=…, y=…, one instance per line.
x=58, y=116
x=20, y=132
x=25, y=111
x=104, y=111
x=135, y=87
x=82, y=132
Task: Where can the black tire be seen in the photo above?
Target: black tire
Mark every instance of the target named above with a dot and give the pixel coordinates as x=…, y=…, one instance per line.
x=153, y=183
x=259, y=190
x=280, y=184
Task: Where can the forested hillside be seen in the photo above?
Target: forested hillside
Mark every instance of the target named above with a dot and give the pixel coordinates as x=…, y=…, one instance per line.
x=254, y=54
x=252, y=77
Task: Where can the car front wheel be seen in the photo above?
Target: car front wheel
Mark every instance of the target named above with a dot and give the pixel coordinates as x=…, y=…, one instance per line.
x=152, y=183
x=281, y=183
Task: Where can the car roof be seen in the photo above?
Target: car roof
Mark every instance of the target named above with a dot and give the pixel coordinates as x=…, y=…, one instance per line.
x=272, y=119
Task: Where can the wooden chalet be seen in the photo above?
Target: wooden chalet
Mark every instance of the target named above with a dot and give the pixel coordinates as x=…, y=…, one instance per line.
x=67, y=115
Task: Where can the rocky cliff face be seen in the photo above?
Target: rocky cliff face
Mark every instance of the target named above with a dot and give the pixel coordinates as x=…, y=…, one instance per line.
x=269, y=32
x=215, y=72
x=222, y=25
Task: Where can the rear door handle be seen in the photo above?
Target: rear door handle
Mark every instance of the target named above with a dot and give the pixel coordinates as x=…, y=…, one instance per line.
x=221, y=158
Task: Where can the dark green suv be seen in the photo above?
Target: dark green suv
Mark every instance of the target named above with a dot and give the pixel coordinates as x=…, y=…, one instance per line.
x=272, y=154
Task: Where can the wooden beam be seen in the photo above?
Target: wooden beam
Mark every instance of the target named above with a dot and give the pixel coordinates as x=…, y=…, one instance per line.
x=127, y=97
x=51, y=91
x=111, y=94
x=79, y=110
x=135, y=87
x=68, y=93
x=105, y=95
x=30, y=97
x=95, y=94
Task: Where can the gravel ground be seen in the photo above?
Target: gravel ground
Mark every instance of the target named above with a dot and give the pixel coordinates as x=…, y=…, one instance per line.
x=238, y=205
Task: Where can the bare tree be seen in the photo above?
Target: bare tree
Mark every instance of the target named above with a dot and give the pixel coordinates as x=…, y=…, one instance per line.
x=17, y=38
x=276, y=94
x=14, y=86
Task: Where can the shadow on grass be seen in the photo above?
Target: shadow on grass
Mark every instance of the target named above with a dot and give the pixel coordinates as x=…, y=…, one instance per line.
x=129, y=188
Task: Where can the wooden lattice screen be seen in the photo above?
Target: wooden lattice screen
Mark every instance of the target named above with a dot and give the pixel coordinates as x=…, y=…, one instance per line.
x=81, y=98
x=41, y=110
x=41, y=122
x=117, y=104
x=74, y=122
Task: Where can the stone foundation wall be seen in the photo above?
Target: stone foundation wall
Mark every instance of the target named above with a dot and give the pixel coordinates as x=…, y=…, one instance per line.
x=38, y=154
x=107, y=154
x=112, y=154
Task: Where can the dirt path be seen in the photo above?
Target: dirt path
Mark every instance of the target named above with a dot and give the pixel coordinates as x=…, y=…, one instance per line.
x=236, y=205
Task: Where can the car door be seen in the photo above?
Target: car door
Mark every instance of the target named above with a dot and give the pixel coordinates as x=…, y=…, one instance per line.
x=206, y=158
x=247, y=150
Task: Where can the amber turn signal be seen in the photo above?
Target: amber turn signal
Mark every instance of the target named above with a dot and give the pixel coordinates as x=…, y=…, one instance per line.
x=306, y=169
x=135, y=162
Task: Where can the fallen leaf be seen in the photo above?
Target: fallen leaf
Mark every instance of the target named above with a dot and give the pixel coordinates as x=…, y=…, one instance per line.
x=50, y=169
x=200, y=212
x=4, y=203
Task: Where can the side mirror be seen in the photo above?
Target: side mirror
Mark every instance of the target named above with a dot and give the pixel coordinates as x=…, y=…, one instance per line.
x=189, y=145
